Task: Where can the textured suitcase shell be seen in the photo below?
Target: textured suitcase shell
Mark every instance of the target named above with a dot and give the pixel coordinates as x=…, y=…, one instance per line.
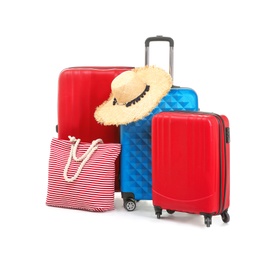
x=191, y=163
x=80, y=91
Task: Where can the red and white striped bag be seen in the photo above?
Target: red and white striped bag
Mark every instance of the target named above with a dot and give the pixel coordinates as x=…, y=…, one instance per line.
x=82, y=175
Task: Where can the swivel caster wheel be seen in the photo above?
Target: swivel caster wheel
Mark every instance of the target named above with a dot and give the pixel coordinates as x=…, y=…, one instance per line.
x=129, y=204
x=158, y=215
x=225, y=216
x=158, y=211
x=208, y=221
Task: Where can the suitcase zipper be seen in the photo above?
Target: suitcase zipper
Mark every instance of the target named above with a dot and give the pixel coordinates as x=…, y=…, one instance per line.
x=224, y=135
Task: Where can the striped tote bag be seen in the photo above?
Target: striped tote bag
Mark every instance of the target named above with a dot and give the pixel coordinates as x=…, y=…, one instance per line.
x=82, y=175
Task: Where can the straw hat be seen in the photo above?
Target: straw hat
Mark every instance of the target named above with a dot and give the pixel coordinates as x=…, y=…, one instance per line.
x=135, y=93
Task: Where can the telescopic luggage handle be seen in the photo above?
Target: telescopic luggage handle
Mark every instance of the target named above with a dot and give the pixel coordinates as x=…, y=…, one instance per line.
x=160, y=38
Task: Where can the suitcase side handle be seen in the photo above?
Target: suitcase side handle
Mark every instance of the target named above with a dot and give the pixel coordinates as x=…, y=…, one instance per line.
x=161, y=38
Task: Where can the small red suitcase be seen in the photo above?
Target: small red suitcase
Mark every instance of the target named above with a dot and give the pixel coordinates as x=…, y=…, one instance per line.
x=191, y=164
x=80, y=91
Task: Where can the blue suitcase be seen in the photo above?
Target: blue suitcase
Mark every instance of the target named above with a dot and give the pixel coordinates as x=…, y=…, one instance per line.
x=135, y=138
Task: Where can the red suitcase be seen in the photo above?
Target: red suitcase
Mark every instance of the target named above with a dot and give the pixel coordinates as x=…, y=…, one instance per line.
x=80, y=91
x=191, y=164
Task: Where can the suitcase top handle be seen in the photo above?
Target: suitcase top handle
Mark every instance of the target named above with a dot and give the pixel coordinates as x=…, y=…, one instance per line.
x=160, y=38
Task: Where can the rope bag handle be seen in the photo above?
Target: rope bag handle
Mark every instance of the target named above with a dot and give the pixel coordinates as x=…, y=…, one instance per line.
x=83, y=158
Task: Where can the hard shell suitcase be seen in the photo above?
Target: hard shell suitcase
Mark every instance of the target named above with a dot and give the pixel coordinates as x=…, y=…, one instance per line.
x=80, y=91
x=135, y=169
x=191, y=164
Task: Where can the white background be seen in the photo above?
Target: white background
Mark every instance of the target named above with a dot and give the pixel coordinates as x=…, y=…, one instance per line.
x=227, y=51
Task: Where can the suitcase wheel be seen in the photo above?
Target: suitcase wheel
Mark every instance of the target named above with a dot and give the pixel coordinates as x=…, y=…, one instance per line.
x=129, y=204
x=158, y=211
x=170, y=211
x=208, y=220
x=225, y=216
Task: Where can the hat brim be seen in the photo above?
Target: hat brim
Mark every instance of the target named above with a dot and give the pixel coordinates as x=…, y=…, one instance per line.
x=160, y=83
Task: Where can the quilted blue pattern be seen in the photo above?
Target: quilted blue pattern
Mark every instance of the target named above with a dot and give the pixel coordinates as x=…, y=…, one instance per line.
x=135, y=158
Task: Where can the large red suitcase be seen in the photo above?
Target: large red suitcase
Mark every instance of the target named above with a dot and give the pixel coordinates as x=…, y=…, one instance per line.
x=80, y=91
x=191, y=164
